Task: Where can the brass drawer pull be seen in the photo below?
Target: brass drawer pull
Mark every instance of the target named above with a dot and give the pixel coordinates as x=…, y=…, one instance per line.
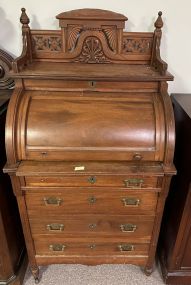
x=133, y=182
x=126, y=247
x=57, y=247
x=92, y=200
x=55, y=227
x=53, y=201
x=92, y=179
x=92, y=226
x=128, y=228
x=130, y=202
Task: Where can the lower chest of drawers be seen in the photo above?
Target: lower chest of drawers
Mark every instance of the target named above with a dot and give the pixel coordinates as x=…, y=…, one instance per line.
x=107, y=218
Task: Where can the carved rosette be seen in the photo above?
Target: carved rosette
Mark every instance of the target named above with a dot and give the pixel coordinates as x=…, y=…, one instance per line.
x=47, y=43
x=92, y=52
x=142, y=46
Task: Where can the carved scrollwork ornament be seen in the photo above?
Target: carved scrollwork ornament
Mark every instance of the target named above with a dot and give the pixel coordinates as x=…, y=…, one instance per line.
x=92, y=52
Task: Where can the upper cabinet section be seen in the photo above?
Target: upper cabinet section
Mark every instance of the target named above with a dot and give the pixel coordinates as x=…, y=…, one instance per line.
x=91, y=36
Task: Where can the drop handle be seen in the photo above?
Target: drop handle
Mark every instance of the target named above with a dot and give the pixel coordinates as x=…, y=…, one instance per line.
x=57, y=247
x=128, y=228
x=133, y=182
x=53, y=201
x=127, y=202
x=126, y=247
x=55, y=227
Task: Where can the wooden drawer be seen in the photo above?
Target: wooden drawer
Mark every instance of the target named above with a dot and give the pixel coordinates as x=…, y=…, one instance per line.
x=132, y=227
x=126, y=181
x=90, y=201
x=66, y=246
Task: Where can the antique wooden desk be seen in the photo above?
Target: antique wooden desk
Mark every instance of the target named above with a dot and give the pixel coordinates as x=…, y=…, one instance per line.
x=175, y=237
x=12, y=249
x=90, y=140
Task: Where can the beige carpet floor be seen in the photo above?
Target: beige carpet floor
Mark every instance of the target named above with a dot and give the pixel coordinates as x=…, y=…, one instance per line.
x=94, y=275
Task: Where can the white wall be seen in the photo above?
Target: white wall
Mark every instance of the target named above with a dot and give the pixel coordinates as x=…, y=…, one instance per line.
x=176, y=41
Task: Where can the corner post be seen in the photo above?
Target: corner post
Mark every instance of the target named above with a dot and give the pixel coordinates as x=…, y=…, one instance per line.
x=156, y=61
x=26, y=56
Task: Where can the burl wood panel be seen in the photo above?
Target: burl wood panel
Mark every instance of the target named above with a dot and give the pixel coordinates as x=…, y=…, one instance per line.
x=90, y=140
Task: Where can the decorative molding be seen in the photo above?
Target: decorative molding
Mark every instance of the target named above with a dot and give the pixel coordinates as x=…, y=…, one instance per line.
x=47, y=43
x=92, y=52
x=143, y=46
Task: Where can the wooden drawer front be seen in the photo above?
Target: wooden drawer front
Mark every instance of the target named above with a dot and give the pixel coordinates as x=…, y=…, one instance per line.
x=128, y=226
x=87, y=201
x=65, y=247
x=126, y=181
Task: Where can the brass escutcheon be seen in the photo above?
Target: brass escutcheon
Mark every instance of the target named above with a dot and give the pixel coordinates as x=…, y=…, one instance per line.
x=92, y=226
x=92, y=179
x=92, y=246
x=92, y=200
x=92, y=83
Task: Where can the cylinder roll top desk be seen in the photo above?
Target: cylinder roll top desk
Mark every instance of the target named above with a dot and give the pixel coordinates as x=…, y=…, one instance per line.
x=90, y=140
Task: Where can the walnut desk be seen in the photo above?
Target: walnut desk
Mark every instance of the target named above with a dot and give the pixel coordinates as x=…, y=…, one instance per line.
x=90, y=140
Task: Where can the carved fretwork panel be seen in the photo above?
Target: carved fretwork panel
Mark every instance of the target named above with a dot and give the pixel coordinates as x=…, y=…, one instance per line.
x=92, y=52
x=46, y=43
x=137, y=45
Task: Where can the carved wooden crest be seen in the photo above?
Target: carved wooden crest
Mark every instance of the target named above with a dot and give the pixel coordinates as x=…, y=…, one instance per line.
x=92, y=36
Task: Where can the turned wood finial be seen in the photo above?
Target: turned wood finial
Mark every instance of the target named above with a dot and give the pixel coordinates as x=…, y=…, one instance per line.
x=159, y=22
x=24, y=19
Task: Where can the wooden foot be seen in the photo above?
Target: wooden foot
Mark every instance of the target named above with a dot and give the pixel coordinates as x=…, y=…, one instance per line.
x=36, y=280
x=148, y=270
x=35, y=273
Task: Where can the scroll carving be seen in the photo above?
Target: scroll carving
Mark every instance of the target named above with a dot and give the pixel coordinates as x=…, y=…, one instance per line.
x=111, y=36
x=73, y=35
x=74, y=32
x=47, y=43
x=143, y=46
x=92, y=52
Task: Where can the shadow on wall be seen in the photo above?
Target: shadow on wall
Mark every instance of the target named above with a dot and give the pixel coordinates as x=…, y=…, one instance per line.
x=7, y=30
